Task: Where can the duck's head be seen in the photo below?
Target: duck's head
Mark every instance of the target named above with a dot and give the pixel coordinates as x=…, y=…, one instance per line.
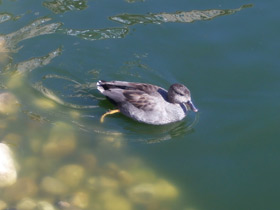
x=179, y=93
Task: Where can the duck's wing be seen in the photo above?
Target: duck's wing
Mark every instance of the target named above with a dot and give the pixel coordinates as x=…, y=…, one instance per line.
x=141, y=95
x=140, y=99
x=147, y=88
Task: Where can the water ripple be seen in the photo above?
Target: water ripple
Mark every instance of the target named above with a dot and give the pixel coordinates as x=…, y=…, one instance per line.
x=97, y=34
x=36, y=28
x=157, y=134
x=6, y=17
x=52, y=96
x=33, y=63
x=62, y=6
x=181, y=17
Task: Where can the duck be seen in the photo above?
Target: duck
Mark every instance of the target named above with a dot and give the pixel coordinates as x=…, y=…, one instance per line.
x=147, y=103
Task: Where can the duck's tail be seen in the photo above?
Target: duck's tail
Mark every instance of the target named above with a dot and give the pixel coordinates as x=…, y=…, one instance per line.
x=99, y=86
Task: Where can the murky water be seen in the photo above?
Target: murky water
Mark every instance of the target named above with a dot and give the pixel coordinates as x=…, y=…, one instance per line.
x=62, y=157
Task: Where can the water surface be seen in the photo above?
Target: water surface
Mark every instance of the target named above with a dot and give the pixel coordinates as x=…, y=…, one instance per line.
x=225, y=157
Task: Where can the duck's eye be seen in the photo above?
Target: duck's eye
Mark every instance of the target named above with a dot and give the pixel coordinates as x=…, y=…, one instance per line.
x=181, y=94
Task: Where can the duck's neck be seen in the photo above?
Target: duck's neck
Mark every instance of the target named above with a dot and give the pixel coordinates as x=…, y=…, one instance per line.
x=170, y=97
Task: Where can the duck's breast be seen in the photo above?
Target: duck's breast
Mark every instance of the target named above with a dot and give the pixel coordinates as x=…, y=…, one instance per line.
x=161, y=114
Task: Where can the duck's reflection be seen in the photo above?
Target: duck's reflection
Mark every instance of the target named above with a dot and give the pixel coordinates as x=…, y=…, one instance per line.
x=156, y=134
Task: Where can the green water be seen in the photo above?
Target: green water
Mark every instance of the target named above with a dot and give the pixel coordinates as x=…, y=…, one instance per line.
x=225, y=157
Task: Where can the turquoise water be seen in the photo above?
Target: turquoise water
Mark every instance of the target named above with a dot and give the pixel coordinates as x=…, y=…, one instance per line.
x=226, y=53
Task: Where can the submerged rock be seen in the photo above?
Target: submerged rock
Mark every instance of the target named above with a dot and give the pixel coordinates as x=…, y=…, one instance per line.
x=8, y=103
x=15, y=81
x=81, y=199
x=3, y=205
x=102, y=183
x=111, y=169
x=61, y=142
x=8, y=173
x=75, y=114
x=12, y=138
x=161, y=190
x=110, y=200
x=3, y=125
x=88, y=161
x=44, y=205
x=45, y=103
x=31, y=165
x=53, y=186
x=64, y=205
x=125, y=177
x=107, y=183
x=35, y=144
x=26, y=204
x=165, y=190
x=71, y=175
x=115, y=140
x=142, y=174
x=24, y=187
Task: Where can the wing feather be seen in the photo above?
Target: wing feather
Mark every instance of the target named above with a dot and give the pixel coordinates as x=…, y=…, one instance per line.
x=140, y=99
x=141, y=95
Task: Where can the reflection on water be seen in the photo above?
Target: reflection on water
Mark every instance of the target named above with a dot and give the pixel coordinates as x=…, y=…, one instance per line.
x=8, y=43
x=36, y=28
x=33, y=63
x=6, y=16
x=133, y=1
x=157, y=134
x=62, y=6
x=51, y=95
x=4, y=51
x=97, y=34
x=181, y=17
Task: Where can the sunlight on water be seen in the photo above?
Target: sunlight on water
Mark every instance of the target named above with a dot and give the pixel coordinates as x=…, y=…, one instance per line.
x=36, y=28
x=50, y=95
x=33, y=63
x=181, y=17
x=6, y=16
x=97, y=34
x=62, y=6
x=133, y=1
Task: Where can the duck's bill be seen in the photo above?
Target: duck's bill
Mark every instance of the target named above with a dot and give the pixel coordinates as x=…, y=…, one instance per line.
x=191, y=106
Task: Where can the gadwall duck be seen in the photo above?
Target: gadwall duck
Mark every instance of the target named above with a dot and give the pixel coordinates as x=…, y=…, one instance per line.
x=148, y=103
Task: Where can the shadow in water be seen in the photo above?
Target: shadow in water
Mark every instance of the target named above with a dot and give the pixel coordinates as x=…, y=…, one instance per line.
x=151, y=134
x=134, y=131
